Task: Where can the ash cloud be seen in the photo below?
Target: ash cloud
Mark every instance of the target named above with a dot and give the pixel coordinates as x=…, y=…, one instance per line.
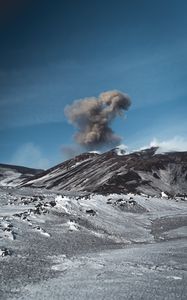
x=93, y=117
x=70, y=151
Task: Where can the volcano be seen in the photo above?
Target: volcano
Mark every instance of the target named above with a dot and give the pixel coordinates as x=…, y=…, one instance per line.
x=146, y=171
x=94, y=226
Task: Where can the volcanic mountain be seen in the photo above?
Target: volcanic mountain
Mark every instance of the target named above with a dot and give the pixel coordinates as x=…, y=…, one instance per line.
x=146, y=171
x=101, y=224
x=11, y=175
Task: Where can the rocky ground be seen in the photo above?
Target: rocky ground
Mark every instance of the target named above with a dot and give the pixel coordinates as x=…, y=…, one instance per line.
x=56, y=245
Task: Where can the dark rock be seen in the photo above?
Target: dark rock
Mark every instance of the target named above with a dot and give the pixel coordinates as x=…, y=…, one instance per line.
x=91, y=212
x=52, y=203
x=4, y=252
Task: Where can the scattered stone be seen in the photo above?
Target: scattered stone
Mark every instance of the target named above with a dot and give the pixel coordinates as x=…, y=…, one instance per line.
x=52, y=203
x=91, y=212
x=8, y=233
x=4, y=252
x=42, y=231
x=109, y=201
x=128, y=205
x=133, y=202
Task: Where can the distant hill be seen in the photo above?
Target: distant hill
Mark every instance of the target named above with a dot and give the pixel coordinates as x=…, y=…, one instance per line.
x=11, y=175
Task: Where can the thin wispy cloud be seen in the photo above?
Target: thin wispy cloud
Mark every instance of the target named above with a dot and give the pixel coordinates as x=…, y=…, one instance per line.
x=30, y=155
x=177, y=143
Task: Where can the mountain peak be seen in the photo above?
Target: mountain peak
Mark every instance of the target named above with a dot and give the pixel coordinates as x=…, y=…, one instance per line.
x=142, y=171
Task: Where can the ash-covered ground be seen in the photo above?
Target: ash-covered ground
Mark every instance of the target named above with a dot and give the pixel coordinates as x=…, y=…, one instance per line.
x=88, y=246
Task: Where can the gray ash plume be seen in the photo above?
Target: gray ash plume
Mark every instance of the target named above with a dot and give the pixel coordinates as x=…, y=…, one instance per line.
x=93, y=117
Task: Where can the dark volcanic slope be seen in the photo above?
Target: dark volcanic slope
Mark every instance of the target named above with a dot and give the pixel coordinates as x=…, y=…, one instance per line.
x=11, y=175
x=142, y=171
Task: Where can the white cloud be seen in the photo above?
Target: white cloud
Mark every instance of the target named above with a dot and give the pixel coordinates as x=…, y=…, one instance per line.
x=30, y=155
x=176, y=143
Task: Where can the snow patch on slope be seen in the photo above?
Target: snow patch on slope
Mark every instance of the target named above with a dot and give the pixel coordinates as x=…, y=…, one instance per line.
x=121, y=150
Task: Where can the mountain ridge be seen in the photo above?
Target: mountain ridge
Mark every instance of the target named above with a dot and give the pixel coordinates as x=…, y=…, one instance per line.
x=12, y=175
x=138, y=172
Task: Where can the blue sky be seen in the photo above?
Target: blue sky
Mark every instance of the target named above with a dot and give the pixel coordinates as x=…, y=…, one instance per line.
x=54, y=52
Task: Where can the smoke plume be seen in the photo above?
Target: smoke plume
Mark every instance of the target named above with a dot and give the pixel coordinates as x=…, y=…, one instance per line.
x=93, y=117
